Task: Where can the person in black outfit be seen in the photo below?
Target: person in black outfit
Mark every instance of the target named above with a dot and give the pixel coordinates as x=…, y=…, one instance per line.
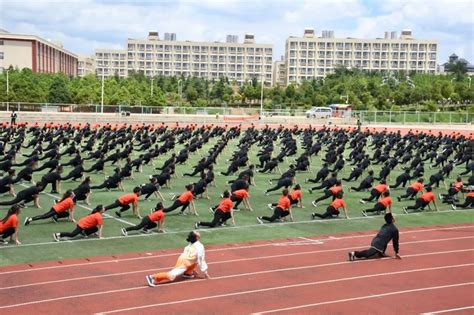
x=6, y=183
x=114, y=181
x=402, y=179
x=151, y=188
x=82, y=192
x=355, y=174
x=25, y=196
x=327, y=183
x=366, y=182
x=26, y=174
x=241, y=183
x=201, y=187
x=53, y=178
x=98, y=166
x=76, y=173
x=387, y=233
x=13, y=118
x=283, y=182
x=51, y=164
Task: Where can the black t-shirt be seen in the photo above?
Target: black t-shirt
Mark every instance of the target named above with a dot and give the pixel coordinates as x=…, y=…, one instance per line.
x=51, y=177
x=82, y=190
x=6, y=181
x=239, y=184
x=29, y=191
x=149, y=188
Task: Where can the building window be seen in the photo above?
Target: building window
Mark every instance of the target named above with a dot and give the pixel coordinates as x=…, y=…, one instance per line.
x=1, y=55
x=1, y=42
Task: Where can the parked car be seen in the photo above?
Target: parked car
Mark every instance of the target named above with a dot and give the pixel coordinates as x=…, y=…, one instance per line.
x=319, y=112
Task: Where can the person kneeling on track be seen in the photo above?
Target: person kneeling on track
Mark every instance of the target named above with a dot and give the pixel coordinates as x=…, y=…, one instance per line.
x=64, y=208
x=333, y=209
x=384, y=202
x=193, y=256
x=282, y=209
x=423, y=201
x=222, y=213
x=387, y=233
x=124, y=201
x=90, y=224
x=149, y=221
x=9, y=226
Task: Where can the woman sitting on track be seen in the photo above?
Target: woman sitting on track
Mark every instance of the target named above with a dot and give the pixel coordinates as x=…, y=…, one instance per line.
x=25, y=196
x=193, y=256
x=62, y=209
x=282, y=209
x=9, y=225
x=387, y=233
x=183, y=201
x=86, y=226
x=149, y=221
x=222, y=213
x=333, y=208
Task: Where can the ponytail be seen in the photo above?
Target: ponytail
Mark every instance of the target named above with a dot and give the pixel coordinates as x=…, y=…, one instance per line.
x=66, y=195
x=13, y=210
x=97, y=209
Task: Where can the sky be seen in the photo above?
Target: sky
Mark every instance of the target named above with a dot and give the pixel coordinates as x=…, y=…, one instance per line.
x=84, y=25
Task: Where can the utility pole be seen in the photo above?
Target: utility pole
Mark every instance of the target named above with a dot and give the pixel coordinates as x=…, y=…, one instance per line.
x=102, y=93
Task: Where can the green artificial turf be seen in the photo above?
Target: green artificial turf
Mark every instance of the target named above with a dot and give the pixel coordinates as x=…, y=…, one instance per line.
x=38, y=244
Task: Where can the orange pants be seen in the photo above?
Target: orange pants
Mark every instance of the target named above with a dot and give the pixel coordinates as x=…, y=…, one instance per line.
x=182, y=266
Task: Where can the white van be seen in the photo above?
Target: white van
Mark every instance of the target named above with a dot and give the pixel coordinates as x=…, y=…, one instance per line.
x=319, y=112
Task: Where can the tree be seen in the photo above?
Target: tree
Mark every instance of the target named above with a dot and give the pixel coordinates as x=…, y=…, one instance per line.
x=458, y=69
x=59, y=91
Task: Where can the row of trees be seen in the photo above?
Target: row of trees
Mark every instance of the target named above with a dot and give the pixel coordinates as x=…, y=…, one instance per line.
x=364, y=90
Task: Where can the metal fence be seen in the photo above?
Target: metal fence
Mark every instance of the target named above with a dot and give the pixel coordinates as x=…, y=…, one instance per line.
x=365, y=117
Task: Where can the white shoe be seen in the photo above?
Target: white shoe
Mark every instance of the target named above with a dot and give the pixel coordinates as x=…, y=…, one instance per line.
x=212, y=210
x=364, y=213
x=351, y=256
x=405, y=210
x=362, y=201
x=124, y=232
x=270, y=206
x=196, y=225
x=259, y=219
x=315, y=204
x=151, y=282
x=56, y=237
x=453, y=206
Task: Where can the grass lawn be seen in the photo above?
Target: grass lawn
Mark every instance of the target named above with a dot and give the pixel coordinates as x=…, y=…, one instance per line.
x=38, y=244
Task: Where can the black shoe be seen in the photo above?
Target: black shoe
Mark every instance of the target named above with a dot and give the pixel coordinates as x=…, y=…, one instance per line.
x=55, y=219
x=117, y=213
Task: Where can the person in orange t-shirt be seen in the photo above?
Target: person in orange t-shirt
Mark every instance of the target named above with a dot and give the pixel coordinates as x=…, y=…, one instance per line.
x=468, y=202
x=9, y=225
x=384, y=203
x=331, y=192
x=413, y=190
x=241, y=195
x=376, y=192
x=64, y=208
x=333, y=209
x=455, y=188
x=223, y=212
x=282, y=209
x=424, y=200
x=124, y=202
x=149, y=221
x=296, y=196
x=183, y=201
x=86, y=226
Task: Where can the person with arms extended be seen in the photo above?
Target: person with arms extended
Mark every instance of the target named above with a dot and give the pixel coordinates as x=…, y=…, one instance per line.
x=86, y=226
x=149, y=222
x=9, y=225
x=388, y=232
x=124, y=201
x=193, y=256
x=222, y=213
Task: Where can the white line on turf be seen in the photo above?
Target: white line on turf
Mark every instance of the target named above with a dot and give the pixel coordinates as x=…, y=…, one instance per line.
x=250, y=259
x=225, y=249
x=372, y=296
x=217, y=229
x=286, y=287
x=451, y=310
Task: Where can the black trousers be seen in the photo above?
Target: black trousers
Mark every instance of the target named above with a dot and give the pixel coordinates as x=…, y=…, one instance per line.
x=19, y=198
x=362, y=186
x=53, y=183
x=106, y=184
x=352, y=176
x=8, y=232
x=237, y=201
x=399, y=182
x=49, y=214
x=278, y=213
x=319, y=178
x=327, y=194
x=377, y=208
x=117, y=204
x=374, y=195
x=72, y=175
x=4, y=189
x=146, y=223
x=368, y=253
x=219, y=218
x=410, y=193
x=79, y=197
x=176, y=204
x=78, y=230
x=278, y=186
x=330, y=211
x=419, y=203
x=469, y=202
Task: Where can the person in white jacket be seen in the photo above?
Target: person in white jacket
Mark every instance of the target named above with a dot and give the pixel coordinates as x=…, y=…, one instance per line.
x=193, y=256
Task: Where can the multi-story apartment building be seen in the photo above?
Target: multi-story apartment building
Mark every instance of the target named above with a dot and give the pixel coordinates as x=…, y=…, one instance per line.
x=85, y=65
x=279, y=73
x=309, y=56
x=210, y=60
x=39, y=55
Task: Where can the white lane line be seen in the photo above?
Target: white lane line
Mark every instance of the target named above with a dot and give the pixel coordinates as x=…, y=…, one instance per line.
x=225, y=249
x=303, y=285
x=449, y=310
x=372, y=296
x=84, y=207
x=225, y=262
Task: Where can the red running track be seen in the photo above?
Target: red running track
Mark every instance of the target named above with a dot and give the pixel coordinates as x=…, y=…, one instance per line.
x=293, y=276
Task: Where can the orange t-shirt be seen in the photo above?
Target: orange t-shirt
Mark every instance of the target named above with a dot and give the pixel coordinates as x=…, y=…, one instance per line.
x=417, y=186
x=128, y=198
x=338, y=203
x=90, y=221
x=157, y=216
x=186, y=196
x=470, y=194
x=62, y=206
x=335, y=189
x=296, y=194
x=428, y=196
x=381, y=188
x=12, y=222
x=225, y=205
x=241, y=193
x=284, y=203
x=458, y=185
x=386, y=201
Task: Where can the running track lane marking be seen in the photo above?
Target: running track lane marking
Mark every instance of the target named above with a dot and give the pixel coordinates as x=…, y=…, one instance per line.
x=217, y=229
x=372, y=296
x=221, y=262
x=235, y=293
x=450, y=310
x=84, y=207
x=303, y=285
x=227, y=248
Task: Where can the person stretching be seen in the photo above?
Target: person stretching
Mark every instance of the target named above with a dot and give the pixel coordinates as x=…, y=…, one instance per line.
x=423, y=201
x=413, y=190
x=25, y=196
x=468, y=202
x=384, y=203
x=62, y=209
x=333, y=209
x=387, y=233
x=183, y=201
x=149, y=221
x=376, y=192
x=124, y=201
x=86, y=226
x=222, y=213
x=9, y=226
x=193, y=256
x=282, y=209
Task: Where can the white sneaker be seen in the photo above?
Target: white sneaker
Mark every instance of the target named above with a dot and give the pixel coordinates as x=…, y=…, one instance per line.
x=362, y=201
x=270, y=206
x=151, y=282
x=453, y=206
x=405, y=210
x=364, y=213
x=3, y=242
x=315, y=204
x=196, y=225
x=212, y=210
x=259, y=219
x=124, y=232
x=56, y=237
